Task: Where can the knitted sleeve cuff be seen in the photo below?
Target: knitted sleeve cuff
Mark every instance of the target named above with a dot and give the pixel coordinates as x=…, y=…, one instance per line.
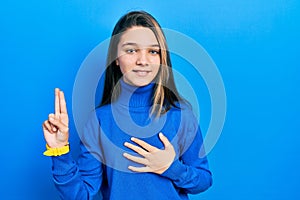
x=175, y=171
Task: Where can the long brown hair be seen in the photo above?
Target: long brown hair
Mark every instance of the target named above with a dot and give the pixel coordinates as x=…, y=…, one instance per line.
x=165, y=92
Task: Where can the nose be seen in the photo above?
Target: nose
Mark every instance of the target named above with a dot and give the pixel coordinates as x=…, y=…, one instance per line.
x=142, y=59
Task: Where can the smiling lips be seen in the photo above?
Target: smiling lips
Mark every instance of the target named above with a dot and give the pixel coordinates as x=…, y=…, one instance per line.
x=141, y=73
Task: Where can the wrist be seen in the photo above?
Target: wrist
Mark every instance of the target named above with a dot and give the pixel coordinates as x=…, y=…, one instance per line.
x=57, y=145
x=57, y=151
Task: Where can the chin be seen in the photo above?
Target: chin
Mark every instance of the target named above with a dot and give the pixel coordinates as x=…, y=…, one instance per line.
x=140, y=83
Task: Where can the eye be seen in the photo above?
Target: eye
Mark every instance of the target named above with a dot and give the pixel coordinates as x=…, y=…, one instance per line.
x=154, y=52
x=130, y=51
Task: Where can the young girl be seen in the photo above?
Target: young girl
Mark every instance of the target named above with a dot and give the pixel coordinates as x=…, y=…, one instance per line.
x=144, y=142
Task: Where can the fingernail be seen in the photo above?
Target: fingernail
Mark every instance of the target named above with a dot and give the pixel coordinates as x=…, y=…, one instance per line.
x=51, y=119
x=125, y=143
x=160, y=134
x=132, y=138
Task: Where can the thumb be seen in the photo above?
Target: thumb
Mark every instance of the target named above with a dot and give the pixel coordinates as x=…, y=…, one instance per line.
x=61, y=126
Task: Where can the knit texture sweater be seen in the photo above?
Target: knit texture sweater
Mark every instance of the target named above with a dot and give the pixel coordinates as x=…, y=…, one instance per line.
x=101, y=167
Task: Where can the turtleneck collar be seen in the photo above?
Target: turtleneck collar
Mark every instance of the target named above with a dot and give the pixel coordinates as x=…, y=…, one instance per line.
x=133, y=96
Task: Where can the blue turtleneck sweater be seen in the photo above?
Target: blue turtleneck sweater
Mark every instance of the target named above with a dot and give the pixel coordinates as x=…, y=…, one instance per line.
x=101, y=166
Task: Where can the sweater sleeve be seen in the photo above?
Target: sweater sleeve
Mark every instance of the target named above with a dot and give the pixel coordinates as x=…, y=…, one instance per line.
x=82, y=179
x=190, y=172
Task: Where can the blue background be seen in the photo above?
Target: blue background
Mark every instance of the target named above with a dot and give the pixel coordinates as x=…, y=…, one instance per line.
x=254, y=43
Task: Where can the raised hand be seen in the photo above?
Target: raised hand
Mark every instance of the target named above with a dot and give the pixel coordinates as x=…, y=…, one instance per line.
x=155, y=160
x=56, y=127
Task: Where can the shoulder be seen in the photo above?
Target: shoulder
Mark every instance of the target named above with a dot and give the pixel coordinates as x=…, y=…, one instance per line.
x=183, y=108
x=103, y=110
x=184, y=115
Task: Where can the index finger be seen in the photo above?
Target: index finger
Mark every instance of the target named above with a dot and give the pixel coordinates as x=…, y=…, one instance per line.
x=143, y=144
x=57, y=103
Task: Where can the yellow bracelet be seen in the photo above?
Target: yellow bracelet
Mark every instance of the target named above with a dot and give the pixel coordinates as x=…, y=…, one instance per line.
x=57, y=151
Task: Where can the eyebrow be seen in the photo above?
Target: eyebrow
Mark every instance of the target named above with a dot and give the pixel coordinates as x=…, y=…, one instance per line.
x=135, y=44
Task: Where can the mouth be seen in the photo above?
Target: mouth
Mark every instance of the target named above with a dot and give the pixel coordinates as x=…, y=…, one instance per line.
x=141, y=73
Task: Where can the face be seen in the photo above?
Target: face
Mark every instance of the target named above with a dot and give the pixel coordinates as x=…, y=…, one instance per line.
x=138, y=56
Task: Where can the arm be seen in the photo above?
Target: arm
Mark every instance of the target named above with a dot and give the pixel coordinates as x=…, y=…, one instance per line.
x=189, y=172
x=72, y=180
x=77, y=181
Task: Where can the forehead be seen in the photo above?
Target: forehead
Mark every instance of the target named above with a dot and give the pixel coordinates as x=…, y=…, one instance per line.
x=139, y=35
